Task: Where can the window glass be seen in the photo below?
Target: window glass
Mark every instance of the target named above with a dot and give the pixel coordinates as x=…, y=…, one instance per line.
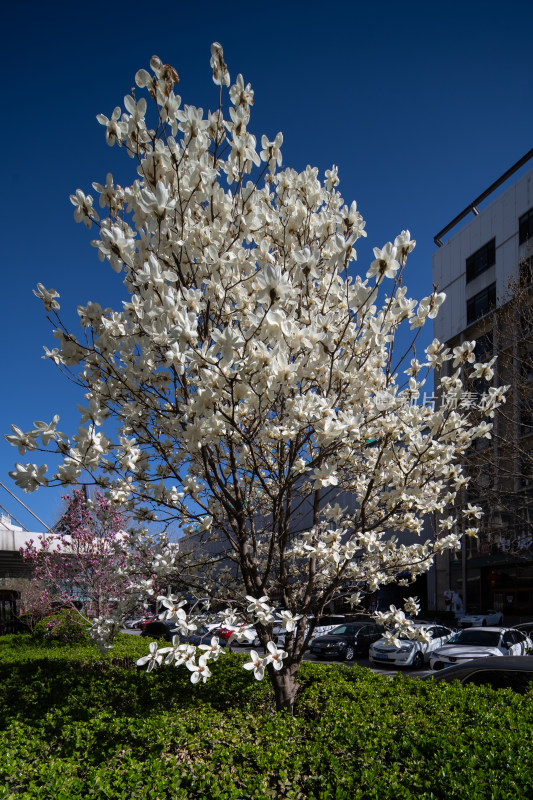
x=525, y=227
x=340, y=631
x=484, y=346
x=481, y=303
x=502, y=679
x=476, y=637
x=481, y=260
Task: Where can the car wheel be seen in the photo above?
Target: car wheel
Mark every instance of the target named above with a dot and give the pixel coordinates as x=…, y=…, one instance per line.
x=484, y=623
x=418, y=660
x=349, y=653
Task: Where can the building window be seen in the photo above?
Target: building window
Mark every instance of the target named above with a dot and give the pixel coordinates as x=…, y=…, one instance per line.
x=526, y=417
x=480, y=304
x=526, y=472
x=525, y=227
x=526, y=271
x=484, y=346
x=481, y=260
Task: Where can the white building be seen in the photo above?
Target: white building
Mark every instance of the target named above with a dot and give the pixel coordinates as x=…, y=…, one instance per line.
x=12, y=538
x=474, y=267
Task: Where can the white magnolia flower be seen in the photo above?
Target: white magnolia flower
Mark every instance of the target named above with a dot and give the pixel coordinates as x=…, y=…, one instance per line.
x=259, y=605
x=84, y=208
x=22, y=441
x=463, y=354
x=153, y=659
x=213, y=650
x=173, y=652
x=200, y=671
x=29, y=476
x=404, y=244
x=289, y=620
x=173, y=608
x=242, y=633
x=473, y=511
x=385, y=264
x=324, y=476
x=275, y=656
x=47, y=296
x=258, y=665
x=274, y=285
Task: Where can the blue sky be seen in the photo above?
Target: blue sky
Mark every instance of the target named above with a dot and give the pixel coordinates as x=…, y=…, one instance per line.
x=421, y=106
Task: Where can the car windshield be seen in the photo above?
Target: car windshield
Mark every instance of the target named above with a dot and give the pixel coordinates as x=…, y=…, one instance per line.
x=429, y=634
x=473, y=637
x=338, y=631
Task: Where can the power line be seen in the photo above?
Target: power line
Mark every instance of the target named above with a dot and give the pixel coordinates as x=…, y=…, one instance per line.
x=26, y=507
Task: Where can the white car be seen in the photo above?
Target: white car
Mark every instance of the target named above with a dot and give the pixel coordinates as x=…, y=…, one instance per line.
x=480, y=643
x=477, y=618
x=410, y=653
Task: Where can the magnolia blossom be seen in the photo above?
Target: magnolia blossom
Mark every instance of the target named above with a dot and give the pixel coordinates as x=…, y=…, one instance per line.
x=213, y=650
x=258, y=665
x=289, y=620
x=48, y=297
x=172, y=653
x=385, y=264
x=153, y=659
x=254, y=377
x=173, y=608
x=200, y=671
x=275, y=656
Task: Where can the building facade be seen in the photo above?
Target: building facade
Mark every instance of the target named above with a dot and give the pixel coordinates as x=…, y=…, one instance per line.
x=485, y=269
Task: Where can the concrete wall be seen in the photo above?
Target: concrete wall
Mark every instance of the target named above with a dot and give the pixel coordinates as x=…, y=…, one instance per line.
x=498, y=220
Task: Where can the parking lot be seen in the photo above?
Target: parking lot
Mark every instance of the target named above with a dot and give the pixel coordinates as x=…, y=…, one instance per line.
x=362, y=662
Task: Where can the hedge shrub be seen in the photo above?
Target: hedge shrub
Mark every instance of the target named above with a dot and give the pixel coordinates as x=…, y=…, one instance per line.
x=62, y=627
x=75, y=727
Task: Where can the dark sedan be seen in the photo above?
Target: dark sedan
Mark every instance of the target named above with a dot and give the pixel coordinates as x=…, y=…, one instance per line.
x=346, y=641
x=167, y=629
x=499, y=672
x=160, y=629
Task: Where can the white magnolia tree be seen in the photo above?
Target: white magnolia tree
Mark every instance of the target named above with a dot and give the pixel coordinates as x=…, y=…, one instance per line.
x=250, y=384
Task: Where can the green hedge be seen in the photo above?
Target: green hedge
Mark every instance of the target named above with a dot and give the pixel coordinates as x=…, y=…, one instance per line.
x=73, y=726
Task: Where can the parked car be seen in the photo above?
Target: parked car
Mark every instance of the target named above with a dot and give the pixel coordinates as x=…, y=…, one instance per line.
x=503, y=672
x=481, y=642
x=525, y=627
x=202, y=635
x=480, y=617
x=323, y=625
x=410, y=653
x=138, y=622
x=346, y=641
x=326, y=624
x=160, y=629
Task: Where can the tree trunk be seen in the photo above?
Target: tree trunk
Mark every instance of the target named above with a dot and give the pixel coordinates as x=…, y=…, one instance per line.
x=285, y=686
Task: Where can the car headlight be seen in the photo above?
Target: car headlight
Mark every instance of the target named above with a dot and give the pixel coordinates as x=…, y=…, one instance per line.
x=405, y=648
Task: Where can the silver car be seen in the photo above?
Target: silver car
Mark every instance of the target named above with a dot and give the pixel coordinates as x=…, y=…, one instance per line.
x=410, y=653
x=480, y=643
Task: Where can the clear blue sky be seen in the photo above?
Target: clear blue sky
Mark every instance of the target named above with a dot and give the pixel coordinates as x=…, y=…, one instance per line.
x=421, y=105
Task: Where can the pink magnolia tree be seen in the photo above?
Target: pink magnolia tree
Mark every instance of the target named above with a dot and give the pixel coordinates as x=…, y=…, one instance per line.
x=87, y=560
